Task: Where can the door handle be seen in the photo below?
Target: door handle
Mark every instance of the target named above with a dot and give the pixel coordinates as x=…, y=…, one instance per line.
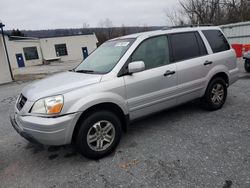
x=168, y=73
x=208, y=63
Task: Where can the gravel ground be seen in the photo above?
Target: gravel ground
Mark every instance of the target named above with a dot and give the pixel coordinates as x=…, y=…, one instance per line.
x=181, y=147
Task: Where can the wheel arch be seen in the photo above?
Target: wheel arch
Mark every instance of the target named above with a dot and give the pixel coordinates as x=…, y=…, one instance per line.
x=221, y=75
x=109, y=106
x=211, y=76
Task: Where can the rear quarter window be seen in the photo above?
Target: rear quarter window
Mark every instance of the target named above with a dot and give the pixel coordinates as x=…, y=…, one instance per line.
x=216, y=40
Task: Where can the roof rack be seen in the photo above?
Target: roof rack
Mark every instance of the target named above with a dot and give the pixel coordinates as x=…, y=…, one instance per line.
x=184, y=26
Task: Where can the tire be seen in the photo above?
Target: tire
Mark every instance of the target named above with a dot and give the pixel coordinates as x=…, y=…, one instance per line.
x=95, y=132
x=247, y=65
x=216, y=94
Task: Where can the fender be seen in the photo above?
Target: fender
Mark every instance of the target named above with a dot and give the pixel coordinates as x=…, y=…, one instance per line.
x=103, y=97
x=215, y=70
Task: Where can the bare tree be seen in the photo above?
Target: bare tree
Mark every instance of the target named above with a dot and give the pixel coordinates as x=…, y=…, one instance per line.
x=108, y=25
x=238, y=10
x=105, y=23
x=175, y=17
x=85, y=25
x=202, y=11
x=213, y=11
x=17, y=33
x=123, y=30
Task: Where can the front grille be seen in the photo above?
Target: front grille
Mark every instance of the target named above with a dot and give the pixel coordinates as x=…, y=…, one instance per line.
x=21, y=102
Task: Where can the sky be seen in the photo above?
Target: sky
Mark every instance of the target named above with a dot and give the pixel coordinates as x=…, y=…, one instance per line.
x=52, y=14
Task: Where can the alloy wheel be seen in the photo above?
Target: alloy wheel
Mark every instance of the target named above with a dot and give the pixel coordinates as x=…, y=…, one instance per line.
x=217, y=94
x=101, y=135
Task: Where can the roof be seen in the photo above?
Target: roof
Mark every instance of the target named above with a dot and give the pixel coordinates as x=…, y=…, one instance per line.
x=73, y=35
x=235, y=24
x=4, y=34
x=22, y=38
x=167, y=31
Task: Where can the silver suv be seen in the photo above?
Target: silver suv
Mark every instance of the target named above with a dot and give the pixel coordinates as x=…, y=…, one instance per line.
x=124, y=79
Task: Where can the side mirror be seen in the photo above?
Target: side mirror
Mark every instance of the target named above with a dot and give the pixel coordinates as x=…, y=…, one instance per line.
x=136, y=66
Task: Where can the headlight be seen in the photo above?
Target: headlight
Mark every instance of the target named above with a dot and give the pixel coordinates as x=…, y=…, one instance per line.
x=48, y=106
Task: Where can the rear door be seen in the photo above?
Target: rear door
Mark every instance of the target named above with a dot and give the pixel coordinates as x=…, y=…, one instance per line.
x=154, y=88
x=193, y=64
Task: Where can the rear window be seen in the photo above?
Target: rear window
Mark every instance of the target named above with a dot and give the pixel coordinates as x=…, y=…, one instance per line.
x=186, y=46
x=216, y=40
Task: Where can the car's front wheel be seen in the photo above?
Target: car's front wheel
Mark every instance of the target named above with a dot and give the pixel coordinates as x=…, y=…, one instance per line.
x=247, y=65
x=99, y=134
x=215, y=95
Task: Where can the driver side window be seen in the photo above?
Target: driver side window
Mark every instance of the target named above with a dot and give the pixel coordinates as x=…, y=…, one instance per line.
x=154, y=52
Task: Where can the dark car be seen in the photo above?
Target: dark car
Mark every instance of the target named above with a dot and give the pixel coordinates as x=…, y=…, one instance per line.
x=247, y=61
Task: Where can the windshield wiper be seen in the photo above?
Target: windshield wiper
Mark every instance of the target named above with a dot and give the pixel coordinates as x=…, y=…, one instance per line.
x=89, y=71
x=84, y=71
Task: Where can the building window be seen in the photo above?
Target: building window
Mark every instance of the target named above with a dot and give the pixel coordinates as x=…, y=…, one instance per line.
x=30, y=53
x=61, y=50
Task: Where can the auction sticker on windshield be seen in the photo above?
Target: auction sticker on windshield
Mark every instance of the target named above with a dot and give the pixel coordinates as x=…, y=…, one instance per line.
x=122, y=44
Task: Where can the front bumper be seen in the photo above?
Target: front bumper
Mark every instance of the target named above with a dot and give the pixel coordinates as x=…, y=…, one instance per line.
x=47, y=131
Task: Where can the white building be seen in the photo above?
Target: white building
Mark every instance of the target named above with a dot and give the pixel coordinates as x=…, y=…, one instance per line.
x=237, y=33
x=26, y=51
x=68, y=48
x=5, y=76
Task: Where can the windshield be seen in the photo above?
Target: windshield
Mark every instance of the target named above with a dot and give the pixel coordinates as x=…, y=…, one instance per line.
x=104, y=58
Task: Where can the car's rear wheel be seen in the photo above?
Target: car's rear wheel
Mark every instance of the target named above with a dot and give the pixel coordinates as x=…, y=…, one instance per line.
x=99, y=134
x=215, y=95
x=247, y=65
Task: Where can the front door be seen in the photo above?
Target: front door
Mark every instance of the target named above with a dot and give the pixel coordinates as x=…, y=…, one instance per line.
x=85, y=52
x=20, y=61
x=154, y=88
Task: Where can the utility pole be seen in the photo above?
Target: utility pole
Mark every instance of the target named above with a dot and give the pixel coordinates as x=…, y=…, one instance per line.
x=6, y=50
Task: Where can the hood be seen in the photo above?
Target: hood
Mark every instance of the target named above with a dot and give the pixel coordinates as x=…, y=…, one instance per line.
x=59, y=84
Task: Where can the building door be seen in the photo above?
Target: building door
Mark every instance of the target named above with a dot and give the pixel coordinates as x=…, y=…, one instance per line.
x=85, y=52
x=20, y=61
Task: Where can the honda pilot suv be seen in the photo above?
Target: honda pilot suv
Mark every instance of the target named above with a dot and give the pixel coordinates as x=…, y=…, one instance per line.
x=124, y=79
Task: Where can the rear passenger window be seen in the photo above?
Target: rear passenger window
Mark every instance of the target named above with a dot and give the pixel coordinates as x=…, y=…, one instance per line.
x=186, y=46
x=154, y=52
x=216, y=40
